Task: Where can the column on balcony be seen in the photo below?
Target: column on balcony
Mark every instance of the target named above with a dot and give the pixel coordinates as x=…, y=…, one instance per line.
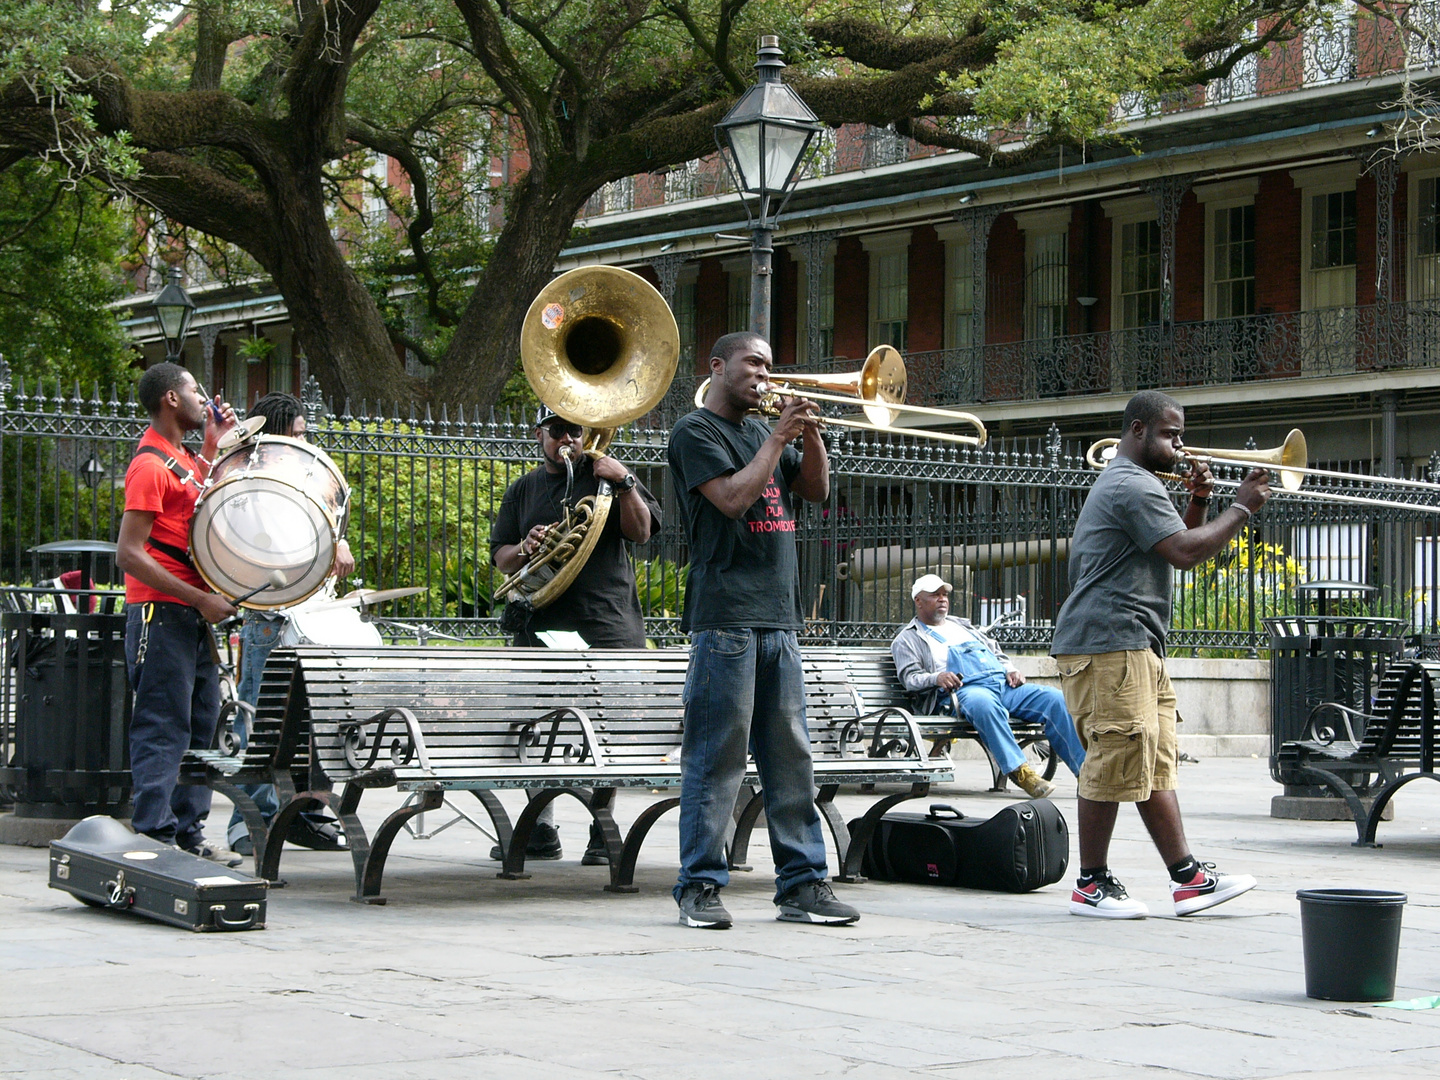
x=967, y=243
x=814, y=252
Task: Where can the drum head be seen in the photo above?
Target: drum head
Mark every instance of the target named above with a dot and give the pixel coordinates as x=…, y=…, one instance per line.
x=274, y=505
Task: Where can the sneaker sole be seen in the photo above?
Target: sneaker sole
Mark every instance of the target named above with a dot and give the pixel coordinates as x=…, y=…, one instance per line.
x=699, y=924
x=1096, y=913
x=595, y=860
x=795, y=915
x=1209, y=900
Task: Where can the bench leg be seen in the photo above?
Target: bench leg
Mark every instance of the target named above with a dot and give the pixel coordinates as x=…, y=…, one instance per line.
x=747, y=813
x=865, y=828
x=1346, y=792
x=499, y=817
x=839, y=831
x=254, y=821
x=513, y=868
x=372, y=870
x=622, y=871
x=1382, y=800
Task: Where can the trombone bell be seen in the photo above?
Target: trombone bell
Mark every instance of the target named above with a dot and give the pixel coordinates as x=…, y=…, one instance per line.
x=1289, y=459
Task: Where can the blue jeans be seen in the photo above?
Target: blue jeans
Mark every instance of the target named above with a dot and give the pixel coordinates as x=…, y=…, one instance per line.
x=725, y=718
x=259, y=634
x=989, y=703
x=177, y=704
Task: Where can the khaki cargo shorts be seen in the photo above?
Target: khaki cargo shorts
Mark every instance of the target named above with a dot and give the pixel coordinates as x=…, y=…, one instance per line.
x=1124, y=710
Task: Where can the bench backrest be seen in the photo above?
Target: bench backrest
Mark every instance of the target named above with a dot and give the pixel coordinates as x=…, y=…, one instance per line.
x=1404, y=708
x=484, y=710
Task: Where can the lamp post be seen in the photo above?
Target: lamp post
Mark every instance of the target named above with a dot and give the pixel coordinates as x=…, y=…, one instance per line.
x=173, y=311
x=763, y=139
x=93, y=471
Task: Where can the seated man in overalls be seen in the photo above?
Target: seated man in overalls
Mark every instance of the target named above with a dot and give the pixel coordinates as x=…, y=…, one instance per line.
x=938, y=655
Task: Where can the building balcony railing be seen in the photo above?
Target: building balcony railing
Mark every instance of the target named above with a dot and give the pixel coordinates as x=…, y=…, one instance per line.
x=1286, y=345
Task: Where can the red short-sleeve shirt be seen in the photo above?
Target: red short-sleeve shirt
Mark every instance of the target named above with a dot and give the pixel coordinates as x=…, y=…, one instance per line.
x=154, y=489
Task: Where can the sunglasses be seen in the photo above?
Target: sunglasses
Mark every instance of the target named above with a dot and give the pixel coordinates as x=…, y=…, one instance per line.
x=558, y=431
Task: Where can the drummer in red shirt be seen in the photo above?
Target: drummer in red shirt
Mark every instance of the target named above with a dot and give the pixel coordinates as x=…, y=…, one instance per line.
x=168, y=648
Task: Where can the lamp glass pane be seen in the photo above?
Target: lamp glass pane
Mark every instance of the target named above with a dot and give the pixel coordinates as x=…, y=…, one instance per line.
x=745, y=143
x=172, y=319
x=783, y=148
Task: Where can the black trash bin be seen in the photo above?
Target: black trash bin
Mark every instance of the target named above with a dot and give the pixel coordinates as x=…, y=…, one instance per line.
x=70, y=703
x=1351, y=939
x=1315, y=658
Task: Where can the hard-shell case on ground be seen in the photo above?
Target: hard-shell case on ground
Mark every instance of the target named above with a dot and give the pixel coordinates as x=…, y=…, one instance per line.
x=1024, y=846
x=105, y=864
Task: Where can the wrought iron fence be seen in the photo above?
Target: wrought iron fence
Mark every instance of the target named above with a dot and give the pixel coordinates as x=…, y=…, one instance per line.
x=996, y=522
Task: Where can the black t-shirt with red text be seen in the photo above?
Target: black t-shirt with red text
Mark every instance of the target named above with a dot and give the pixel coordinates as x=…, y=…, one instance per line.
x=743, y=572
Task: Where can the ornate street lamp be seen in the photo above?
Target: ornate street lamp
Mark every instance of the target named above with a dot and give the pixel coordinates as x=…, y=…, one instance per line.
x=173, y=311
x=763, y=139
x=93, y=471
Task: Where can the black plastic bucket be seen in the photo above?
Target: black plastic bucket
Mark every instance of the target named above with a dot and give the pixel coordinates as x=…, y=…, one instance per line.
x=1352, y=940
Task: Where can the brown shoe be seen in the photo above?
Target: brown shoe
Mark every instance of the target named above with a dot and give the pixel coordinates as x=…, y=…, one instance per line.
x=1031, y=782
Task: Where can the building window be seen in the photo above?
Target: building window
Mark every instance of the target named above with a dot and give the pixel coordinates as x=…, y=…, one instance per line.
x=237, y=380
x=737, y=315
x=889, y=287
x=375, y=210
x=1425, y=281
x=959, y=294
x=1332, y=230
x=1047, y=284
x=1232, y=264
x=1141, y=289
x=892, y=298
x=282, y=367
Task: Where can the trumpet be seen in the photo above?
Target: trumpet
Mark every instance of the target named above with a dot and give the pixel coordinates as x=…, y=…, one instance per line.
x=878, y=387
x=1289, y=459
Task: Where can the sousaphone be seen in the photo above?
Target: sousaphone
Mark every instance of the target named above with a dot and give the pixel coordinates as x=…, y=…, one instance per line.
x=599, y=347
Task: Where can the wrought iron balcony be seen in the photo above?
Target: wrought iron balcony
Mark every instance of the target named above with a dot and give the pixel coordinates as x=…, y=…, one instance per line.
x=1287, y=345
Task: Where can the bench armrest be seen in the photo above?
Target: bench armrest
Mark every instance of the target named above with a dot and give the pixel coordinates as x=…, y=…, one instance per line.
x=854, y=731
x=590, y=747
x=225, y=737
x=1346, y=718
x=353, y=738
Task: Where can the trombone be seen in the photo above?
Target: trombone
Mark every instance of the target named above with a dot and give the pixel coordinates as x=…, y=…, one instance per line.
x=878, y=387
x=1289, y=460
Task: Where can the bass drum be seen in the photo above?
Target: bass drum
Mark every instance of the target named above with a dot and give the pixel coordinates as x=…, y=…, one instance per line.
x=270, y=504
x=332, y=627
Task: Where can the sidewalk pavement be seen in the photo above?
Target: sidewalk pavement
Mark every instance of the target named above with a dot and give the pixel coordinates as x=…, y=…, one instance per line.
x=467, y=976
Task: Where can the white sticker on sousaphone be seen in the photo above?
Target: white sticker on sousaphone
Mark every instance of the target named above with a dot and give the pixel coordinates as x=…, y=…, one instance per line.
x=552, y=316
x=141, y=856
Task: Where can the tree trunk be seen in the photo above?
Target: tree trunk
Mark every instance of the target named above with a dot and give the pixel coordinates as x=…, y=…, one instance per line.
x=334, y=315
x=486, y=345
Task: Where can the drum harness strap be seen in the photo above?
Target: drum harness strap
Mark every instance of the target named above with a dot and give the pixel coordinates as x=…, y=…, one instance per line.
x=185, y=476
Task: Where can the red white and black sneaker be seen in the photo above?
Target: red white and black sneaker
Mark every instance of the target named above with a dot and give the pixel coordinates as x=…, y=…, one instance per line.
x=1105, y=898
x=1207, y=888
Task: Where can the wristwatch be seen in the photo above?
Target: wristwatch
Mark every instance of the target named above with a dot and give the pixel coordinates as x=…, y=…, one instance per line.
x=628, y=484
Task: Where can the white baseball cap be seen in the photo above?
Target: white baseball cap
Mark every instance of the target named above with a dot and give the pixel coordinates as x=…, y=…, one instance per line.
x=929, y=583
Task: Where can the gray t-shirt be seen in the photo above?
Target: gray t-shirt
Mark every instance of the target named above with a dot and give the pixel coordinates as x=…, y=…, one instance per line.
x=1119, y=585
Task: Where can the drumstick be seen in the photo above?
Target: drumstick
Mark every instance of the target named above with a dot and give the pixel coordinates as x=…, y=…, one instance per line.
x=276, y=580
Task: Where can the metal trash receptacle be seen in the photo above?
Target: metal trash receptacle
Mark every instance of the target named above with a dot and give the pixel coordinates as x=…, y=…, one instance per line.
x=69, y=700
x=1315, y=658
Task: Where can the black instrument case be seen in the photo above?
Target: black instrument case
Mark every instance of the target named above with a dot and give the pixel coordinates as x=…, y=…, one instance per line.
x=1024, y=846
x=103, y=863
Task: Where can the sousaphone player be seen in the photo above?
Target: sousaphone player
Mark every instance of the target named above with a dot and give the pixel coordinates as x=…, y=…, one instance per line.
x=592, y=337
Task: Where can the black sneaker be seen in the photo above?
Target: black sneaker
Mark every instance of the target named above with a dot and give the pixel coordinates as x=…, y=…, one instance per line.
x=596, y=853
x=316, y=831
x=544, y=844
x=241, y=845
x=701, y=908
x=815, y=902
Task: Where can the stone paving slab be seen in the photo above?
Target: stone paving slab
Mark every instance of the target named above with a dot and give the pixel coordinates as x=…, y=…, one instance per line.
x=464, y=975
